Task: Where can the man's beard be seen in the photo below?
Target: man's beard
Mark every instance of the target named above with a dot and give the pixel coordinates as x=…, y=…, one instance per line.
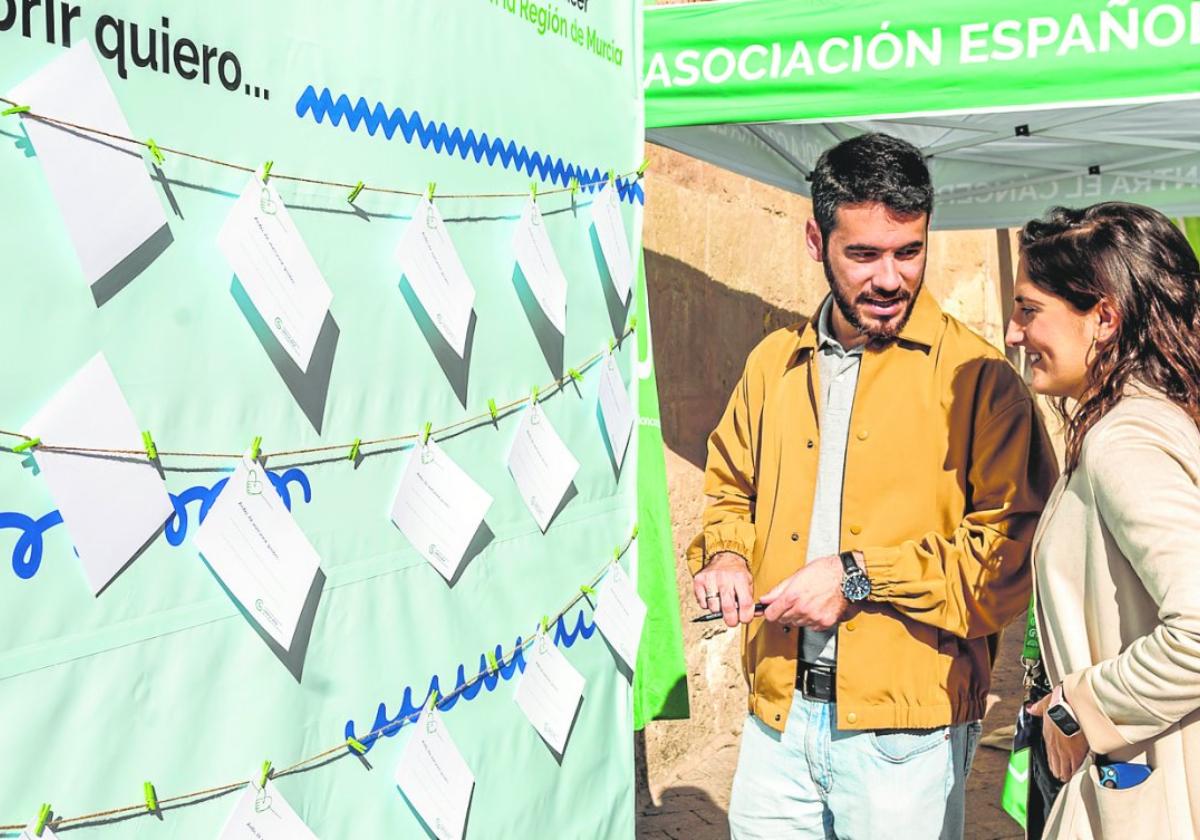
x=875, y=331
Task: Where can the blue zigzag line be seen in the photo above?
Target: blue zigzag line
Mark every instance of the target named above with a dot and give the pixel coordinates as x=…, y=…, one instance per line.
x=407, y=713
x=452, y=141
x=27, y=552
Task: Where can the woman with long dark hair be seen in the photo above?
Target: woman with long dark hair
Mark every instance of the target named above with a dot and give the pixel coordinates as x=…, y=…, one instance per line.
x=1108, y=311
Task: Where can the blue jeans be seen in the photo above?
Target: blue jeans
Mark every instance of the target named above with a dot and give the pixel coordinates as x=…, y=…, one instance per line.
x=816, y=781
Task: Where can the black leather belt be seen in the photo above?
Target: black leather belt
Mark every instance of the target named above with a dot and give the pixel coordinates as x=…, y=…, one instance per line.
x=816, y=682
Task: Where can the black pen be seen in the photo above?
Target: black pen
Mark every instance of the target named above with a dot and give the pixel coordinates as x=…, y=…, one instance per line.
x=758, y=609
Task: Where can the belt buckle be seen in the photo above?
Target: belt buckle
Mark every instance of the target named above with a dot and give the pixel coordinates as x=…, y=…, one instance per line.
x=808, y=687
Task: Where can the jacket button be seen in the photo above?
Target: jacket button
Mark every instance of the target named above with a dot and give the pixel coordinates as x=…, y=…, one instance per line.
x=787, y=629
x=863, y=434
x=795, y=536
x=810, y=443
x=856, y=529
x=852, y=717
x=850, y=626
x=778, y=718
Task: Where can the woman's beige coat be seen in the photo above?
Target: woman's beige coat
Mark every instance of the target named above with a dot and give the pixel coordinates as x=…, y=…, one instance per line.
x=1117, y=574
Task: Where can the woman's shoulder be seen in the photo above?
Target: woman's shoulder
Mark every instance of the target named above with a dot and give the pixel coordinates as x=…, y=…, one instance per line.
x=1143, y=418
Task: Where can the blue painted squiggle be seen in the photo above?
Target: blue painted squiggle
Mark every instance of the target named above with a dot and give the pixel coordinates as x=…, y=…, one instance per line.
x=388, y=726
x=27, y=553
x=452, y=141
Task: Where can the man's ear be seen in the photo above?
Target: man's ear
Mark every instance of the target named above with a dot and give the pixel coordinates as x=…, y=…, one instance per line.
x=814, y=241
x=1108, y=320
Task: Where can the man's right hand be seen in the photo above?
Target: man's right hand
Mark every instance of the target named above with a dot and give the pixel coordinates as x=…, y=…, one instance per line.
x=726, y=578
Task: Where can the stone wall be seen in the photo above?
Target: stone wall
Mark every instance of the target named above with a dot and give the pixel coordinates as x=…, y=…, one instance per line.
x=725, y=265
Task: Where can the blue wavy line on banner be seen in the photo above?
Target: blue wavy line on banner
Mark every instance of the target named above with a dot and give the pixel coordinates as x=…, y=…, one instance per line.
x=452, y=141
x=388, y=726
x=27, y=552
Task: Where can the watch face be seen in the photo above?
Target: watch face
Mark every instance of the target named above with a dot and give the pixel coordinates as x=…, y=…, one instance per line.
x=1063, y=720
x=856, y=587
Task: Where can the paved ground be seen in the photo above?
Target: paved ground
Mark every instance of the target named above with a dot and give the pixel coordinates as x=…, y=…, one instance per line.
x=691, y=802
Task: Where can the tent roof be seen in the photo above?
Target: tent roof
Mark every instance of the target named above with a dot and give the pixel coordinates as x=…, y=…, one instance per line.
x=1007, y=145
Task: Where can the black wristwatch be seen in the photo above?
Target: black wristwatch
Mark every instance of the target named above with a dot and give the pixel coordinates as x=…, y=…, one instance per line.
x=856, y=586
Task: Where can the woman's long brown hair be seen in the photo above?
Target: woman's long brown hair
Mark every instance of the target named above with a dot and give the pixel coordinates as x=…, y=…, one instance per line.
x=1142, y=263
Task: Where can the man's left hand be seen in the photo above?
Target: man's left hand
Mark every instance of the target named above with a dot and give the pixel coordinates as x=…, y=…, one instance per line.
x=812, y=597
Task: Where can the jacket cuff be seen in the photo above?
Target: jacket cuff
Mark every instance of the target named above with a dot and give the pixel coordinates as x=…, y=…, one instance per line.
x=881, y=571
x=1102, y=735
x=706, y=544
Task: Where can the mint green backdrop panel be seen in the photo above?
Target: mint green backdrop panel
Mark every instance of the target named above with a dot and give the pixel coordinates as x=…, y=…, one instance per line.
x=161, y=677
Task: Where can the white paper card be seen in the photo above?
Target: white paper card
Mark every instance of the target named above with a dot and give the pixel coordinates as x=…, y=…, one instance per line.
x=438, y=507
x=111, y=505
x=541, y=465
x=610, y=230
x=101, y=186
x=267, y=253
x=251, y=541
x=535, y=256
x=263, y=814
x=615, y=408
x=620, y=613
x=27, y=833
x=430, y=262
x=549, y=692
x=435, y=779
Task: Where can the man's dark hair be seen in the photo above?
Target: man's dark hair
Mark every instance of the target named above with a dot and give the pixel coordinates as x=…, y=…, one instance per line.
x=870, y=169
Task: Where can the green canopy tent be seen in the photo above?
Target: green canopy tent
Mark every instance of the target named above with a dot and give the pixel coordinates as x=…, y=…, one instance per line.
x=1018, y=105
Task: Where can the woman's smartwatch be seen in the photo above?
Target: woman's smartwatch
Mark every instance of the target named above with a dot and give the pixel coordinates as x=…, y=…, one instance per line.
x=1061, y=714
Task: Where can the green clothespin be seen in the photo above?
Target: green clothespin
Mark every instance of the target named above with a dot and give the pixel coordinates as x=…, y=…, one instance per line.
x=429, y=190
x=641, y=170
x=266, y=774
x=633, y=536
x=633, y=324
x=354, y=450
x=492, y=409
x=533, y=190
x=148, y=443
x=43, y=818
x=425, y=434
x=358, y=188
x=8, y=112
x=493, y=665
x=545, y=624
x=533, y=398
x=612, y=176
x=574, y=185
x=574, y=374
x=612, y=345
x=433, y=700
x=155, y=152
x=267, y=170
x=587, y=590
x=356, y=745
x=616, y=554
x=28, y=444
x=151, y=798
x=255, y=446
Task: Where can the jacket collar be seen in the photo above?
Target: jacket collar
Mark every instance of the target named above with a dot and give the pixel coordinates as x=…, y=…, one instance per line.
x=922, y=327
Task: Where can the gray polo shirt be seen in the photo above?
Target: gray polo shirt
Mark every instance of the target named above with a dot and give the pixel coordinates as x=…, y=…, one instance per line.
x=837, y=378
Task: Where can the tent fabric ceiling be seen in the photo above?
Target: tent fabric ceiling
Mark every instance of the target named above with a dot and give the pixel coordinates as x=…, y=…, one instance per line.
x=992, y=170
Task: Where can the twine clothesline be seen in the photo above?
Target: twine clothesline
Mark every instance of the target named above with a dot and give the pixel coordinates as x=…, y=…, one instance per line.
x=344, y=747
x=353, y=446
x=357, y=188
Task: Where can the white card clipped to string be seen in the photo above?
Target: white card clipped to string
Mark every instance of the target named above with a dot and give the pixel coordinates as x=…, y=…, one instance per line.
x=615, y=408
x=28, y=833
x=429, y=260
x=610, y=231
x=620, y=613
x=264, y=248
x=549, y=691
x=101, y=186
x=540, y=266
x=257, y=549
x=434, y=777
x=439, y=507
x=111, y=505
x=541, y=465
x=263, y=814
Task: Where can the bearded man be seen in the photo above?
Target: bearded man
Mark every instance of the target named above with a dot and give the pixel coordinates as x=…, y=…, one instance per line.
x=876, y=480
